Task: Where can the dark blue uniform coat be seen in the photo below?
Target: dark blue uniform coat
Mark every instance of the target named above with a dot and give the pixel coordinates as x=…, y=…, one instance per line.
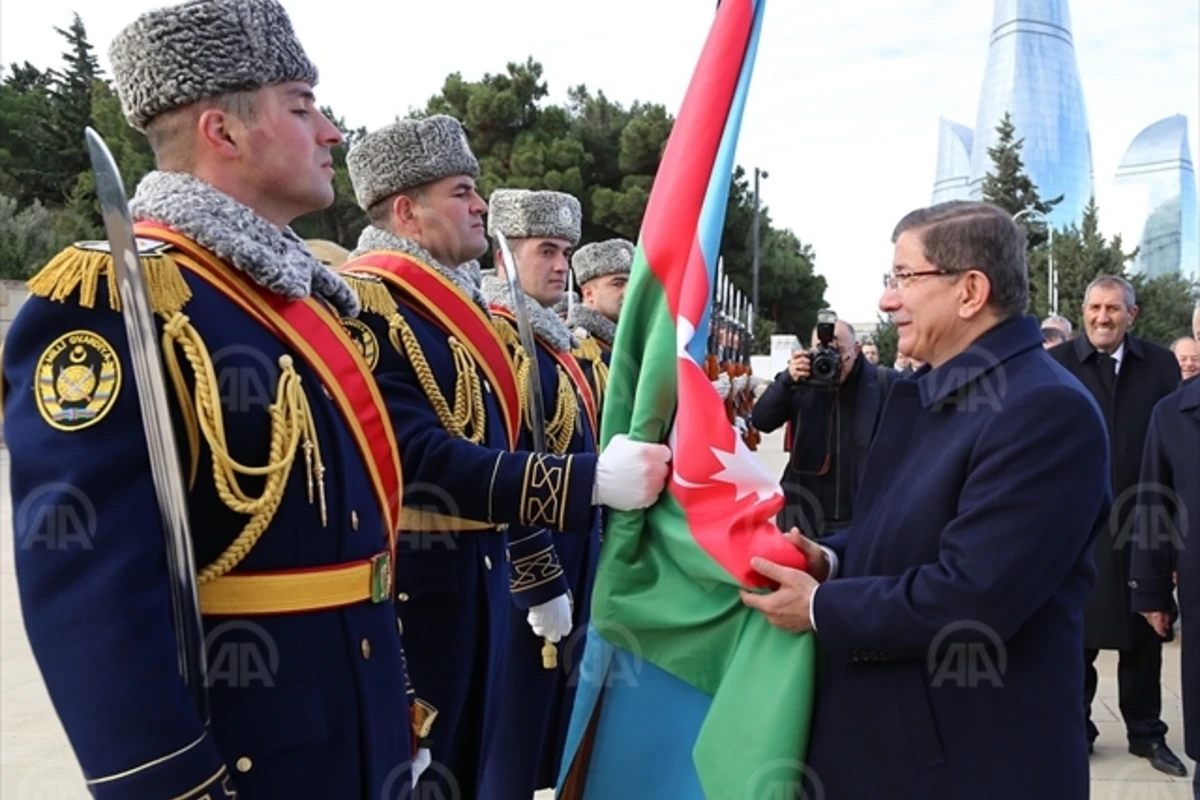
x=535, y=710
x=951, y=657
x=304, y=705
x=1168, y=534
x=453, y=570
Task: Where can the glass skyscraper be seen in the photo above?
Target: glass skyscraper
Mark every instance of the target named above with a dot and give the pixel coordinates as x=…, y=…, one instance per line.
x=1031, y=73
x=1154, y=201
x=953, y=162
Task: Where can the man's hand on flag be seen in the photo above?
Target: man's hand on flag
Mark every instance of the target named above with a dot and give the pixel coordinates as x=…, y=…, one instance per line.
x=631, y=475
x=789, y=607
x=816, y=556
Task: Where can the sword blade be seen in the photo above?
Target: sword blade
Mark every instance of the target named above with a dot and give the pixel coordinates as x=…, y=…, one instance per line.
x=146, y=361
x=537, y=407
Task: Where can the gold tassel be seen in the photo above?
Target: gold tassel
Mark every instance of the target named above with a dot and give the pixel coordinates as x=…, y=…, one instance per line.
x=373, y=295
x=83, y=269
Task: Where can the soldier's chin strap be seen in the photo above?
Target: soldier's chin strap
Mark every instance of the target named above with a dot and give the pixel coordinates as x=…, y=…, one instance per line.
x=292, y=428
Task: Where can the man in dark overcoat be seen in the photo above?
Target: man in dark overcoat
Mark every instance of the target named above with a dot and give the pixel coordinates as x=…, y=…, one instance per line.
x=949, y=630
x=1127, y=376
x=1166, y=550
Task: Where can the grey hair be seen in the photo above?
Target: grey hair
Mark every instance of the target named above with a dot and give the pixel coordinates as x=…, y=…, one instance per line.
x=1113, y=282
x=1058, y=319
x=1175, y=344
x=961, y=235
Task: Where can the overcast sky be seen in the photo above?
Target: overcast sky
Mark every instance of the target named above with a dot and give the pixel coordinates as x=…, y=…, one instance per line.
x=843, y=111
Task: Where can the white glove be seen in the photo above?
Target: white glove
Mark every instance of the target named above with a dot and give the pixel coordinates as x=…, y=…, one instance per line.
x=740, y=424
x=722, y=385
x=630, y=475
x=420, y=762
x=551, y=620
x=739, y=383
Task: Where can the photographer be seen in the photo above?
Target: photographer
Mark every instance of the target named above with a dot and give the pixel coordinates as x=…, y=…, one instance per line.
x=832, y=397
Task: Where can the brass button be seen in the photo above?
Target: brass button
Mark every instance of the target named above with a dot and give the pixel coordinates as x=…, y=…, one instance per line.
x=402, y=597
x=354, y=520
x=487, y=562
x=366, y=648
x=326, y=391
x=244, y=764
x=487, y=387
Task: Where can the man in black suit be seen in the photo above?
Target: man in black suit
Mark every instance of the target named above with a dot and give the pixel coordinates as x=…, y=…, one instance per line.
x=1127, y=376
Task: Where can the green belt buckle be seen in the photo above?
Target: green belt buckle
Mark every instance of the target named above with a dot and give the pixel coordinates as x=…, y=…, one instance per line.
x=381, y=577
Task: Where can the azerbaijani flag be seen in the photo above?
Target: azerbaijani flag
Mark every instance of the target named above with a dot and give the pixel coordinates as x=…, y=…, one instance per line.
x=683, y=692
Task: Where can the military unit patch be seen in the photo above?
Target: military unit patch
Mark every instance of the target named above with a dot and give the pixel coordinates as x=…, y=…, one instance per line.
x=78, y=378
x=364, y=338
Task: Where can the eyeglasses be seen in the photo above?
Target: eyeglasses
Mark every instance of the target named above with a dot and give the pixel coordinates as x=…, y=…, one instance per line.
x=891, y=280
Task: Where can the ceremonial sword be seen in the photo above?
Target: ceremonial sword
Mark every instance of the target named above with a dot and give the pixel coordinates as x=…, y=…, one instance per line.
x=146, y=360
x=537, y=408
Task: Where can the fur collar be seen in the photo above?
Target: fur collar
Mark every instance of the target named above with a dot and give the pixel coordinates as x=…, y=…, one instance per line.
x=544, y=321
x=592, y=321
x=373, y=238
x=273, y=258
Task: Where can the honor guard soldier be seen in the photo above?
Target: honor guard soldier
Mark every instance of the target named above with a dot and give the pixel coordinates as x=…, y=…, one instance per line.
x=542, y=228
x=602, y=271
x=290, y=470
x=453, y=396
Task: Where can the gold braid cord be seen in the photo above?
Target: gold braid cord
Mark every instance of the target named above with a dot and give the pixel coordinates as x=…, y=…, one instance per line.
x=468, y=419
x=589, y=350
x=81, y=269
x=292, y=428
x=560, y=427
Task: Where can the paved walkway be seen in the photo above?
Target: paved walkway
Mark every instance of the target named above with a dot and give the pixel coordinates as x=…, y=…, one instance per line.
x=36, y=762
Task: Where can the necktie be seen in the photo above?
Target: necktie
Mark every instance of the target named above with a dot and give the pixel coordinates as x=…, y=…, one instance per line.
x=1108, y=370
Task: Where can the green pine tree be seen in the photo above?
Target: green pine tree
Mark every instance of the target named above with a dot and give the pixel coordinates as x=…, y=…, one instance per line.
x=71, y=108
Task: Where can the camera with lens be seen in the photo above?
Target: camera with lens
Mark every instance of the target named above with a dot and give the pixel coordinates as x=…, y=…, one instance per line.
x=825, y=362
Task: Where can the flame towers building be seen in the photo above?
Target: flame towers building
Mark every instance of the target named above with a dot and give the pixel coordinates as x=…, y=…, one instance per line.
x=1032, y=74
x=1154, y=201
x=952, y=181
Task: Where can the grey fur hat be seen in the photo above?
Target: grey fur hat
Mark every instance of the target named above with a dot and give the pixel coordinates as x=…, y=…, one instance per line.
x=522, y=214
x=175, y=56
x=595, y=260
x=407, y=154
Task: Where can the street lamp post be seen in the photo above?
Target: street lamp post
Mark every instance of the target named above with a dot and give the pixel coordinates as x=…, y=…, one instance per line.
x=1052, y=277
x=758, y=173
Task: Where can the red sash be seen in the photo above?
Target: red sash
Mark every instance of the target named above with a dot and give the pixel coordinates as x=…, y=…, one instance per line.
x=314, y=331
x=457, y=315
x=568, y=363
